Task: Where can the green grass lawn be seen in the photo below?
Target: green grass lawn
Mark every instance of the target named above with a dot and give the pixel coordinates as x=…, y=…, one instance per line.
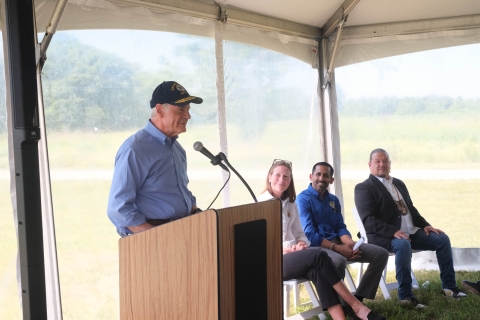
x=443, y=141
x=439, y=307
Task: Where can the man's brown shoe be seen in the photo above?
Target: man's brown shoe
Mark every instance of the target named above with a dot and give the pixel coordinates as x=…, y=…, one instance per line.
x=473, y=287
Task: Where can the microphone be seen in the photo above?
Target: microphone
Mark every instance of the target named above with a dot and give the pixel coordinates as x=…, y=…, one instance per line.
x=198, y=146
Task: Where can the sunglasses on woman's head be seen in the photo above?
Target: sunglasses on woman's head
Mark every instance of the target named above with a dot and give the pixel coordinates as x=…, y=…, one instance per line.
x=288, y=163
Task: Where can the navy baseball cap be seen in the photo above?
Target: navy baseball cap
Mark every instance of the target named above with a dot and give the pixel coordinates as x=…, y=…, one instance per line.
x=173, y=93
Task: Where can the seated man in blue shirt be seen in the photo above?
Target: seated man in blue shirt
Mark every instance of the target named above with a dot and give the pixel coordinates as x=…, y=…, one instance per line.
x=150, y=183
x=322, y=220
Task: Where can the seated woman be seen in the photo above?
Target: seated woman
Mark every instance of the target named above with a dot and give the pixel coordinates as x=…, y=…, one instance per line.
x=301, y=262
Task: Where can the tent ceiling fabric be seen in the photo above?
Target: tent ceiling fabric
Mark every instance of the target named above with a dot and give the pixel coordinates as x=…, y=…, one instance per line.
x=308, y=12
x=364, y=43
x=101, y=14
x=366, y=12
x=374, y=28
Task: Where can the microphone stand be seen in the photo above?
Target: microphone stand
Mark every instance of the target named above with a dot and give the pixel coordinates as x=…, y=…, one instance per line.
x=223, y=157
x=217, y=160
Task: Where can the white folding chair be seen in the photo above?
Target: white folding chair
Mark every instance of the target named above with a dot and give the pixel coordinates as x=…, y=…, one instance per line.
x=384, y=285
x=293, y=285
x=349, y=278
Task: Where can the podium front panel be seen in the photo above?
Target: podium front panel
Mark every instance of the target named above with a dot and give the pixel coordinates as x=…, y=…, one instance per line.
x=270, y=212
x=170, y=271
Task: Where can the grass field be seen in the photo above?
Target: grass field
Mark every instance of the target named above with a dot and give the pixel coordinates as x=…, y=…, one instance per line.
x=439, y=307
x=87, y=242
x=414, y=142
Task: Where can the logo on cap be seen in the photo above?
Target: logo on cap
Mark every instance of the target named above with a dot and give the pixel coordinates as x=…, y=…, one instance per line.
x=179, y=87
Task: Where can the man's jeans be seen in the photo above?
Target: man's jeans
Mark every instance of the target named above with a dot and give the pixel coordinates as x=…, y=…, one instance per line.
x=440, y=243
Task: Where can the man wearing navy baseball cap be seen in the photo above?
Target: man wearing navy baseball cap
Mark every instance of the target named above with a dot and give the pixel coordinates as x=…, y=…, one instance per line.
x=150, y=183
x=173, y=93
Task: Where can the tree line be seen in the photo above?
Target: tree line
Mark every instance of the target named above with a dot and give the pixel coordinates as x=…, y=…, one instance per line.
x=85, y=88
x=407, y=106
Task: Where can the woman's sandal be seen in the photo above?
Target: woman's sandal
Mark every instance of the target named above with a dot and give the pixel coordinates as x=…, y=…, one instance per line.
x=371, y=316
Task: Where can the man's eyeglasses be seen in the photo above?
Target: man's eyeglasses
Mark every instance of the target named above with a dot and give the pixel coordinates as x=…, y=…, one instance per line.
x=288, y=163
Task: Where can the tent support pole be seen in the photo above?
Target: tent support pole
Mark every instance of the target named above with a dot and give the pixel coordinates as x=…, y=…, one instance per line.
x=339, y=15
x=221, y=108
x=329, y=123
x=18, y=25
x=51, y=29
x=331, y=66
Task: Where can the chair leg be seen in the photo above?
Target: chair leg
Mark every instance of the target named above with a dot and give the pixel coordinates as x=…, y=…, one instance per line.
x=414, y=282
x=296, y=295
x=359, y=274
x=314, y=299
x=312, y=294
x=316, y=310
x=351, y=284
x=286, y=300
x=383, y=286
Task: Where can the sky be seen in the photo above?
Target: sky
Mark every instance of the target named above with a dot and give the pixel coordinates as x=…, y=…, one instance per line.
x=135, y=46
x=445, y=72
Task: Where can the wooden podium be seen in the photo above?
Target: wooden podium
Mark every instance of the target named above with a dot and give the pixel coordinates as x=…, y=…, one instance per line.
x=218, y=264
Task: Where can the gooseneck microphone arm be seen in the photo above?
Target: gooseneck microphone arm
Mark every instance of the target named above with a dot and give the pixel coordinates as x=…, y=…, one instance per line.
x=222, y=156
x=217, y=160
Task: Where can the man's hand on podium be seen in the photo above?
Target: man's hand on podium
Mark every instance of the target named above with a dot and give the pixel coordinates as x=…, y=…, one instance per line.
x=142, y=227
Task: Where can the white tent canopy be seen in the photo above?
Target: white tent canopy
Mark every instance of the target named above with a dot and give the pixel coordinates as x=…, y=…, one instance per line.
x=373, y=29
x=307, y=30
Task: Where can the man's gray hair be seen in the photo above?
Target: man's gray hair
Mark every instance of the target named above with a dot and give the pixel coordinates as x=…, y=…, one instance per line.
x=154, y=109
x=377, y=151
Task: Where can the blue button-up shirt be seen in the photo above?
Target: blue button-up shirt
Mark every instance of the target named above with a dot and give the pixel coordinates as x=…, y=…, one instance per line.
x=321, y=219
x=149, y=181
